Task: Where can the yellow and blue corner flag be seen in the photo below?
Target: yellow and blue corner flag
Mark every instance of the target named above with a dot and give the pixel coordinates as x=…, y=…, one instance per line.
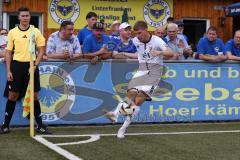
x=26, y=102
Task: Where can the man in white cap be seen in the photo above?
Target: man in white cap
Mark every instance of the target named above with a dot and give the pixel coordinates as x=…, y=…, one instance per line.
x=123, y=48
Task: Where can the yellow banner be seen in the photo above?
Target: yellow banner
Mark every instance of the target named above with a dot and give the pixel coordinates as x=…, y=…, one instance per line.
x=154, y=12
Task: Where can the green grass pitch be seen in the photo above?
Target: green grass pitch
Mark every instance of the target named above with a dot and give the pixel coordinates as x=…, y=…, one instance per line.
x=202, y=146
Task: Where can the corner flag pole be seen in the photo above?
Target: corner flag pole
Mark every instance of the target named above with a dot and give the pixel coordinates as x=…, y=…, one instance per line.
x=32, y=58
x=32, y=134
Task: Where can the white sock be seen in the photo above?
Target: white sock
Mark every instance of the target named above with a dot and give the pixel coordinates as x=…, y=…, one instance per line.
x=126, y=123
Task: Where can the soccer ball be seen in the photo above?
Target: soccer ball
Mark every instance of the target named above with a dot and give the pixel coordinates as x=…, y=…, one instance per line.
x=125, y=108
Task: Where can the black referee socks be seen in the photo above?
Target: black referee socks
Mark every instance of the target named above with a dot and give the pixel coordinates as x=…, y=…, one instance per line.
x=37, y=113
x=10, y=107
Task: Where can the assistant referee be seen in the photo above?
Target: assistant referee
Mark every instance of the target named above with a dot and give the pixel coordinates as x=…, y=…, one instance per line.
x=17, y=64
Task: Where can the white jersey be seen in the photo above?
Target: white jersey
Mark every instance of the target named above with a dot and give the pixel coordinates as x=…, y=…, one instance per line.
x=144, y=49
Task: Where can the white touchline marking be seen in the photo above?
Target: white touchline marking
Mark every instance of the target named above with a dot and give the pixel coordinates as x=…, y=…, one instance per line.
x=139, y=134
x=92, y=139
x=95, y=137
x=56, y=148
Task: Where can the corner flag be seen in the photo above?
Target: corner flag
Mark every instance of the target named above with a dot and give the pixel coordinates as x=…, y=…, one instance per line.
x=28, y=102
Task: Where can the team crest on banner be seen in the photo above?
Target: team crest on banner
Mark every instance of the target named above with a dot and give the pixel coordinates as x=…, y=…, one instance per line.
x=57, y=93
x=156, y=12
x=61, y=10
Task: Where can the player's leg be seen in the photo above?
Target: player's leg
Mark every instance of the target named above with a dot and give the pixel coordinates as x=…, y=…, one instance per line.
x=128, y=101
x=138, y=100
x=127, y=122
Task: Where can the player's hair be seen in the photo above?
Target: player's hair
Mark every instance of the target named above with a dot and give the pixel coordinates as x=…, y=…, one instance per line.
x=140, y=25
x=65, y=23
x=91, y=14
x=212, y=28
x=23, y=9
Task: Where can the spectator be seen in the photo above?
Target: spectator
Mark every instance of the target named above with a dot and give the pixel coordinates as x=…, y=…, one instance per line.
x=233, y=47
x=3, y=42
x=124, y=47
x=104, y=25
x=160, y=32
x=63, y=44
x=95, y=45
x=177, y=43
x=115, y=30
x=211, y=48
x=87, y=30
x=181, y=28
x=170, y=20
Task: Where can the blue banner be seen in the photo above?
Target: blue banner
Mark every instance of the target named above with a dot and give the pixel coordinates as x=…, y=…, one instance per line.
x=78, y=93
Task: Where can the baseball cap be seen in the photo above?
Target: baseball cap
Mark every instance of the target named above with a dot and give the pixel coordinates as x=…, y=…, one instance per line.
x=115, y=22
x=124, y=25
x=98, y=25
x=179, y=23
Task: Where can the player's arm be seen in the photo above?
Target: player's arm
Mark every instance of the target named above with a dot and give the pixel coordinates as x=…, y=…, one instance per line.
x=163, y=50
x=167, y=53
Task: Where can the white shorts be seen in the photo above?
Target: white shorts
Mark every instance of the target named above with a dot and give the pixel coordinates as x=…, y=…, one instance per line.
x=145, y=81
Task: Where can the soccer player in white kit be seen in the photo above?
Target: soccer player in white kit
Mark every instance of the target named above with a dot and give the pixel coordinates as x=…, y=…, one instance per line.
x=151, y=50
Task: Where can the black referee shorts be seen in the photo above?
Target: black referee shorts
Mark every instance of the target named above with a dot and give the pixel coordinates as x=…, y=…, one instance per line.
x=21, y=76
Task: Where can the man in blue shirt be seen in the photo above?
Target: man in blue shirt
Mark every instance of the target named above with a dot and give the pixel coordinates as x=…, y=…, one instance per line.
x=95, y=45
x=87, y=30
x=123, y=48
x=233, y=47
x=211, y=48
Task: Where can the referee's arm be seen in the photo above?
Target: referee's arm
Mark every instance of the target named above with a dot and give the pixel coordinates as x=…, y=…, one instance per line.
x=40, y=54
x=8, y=58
